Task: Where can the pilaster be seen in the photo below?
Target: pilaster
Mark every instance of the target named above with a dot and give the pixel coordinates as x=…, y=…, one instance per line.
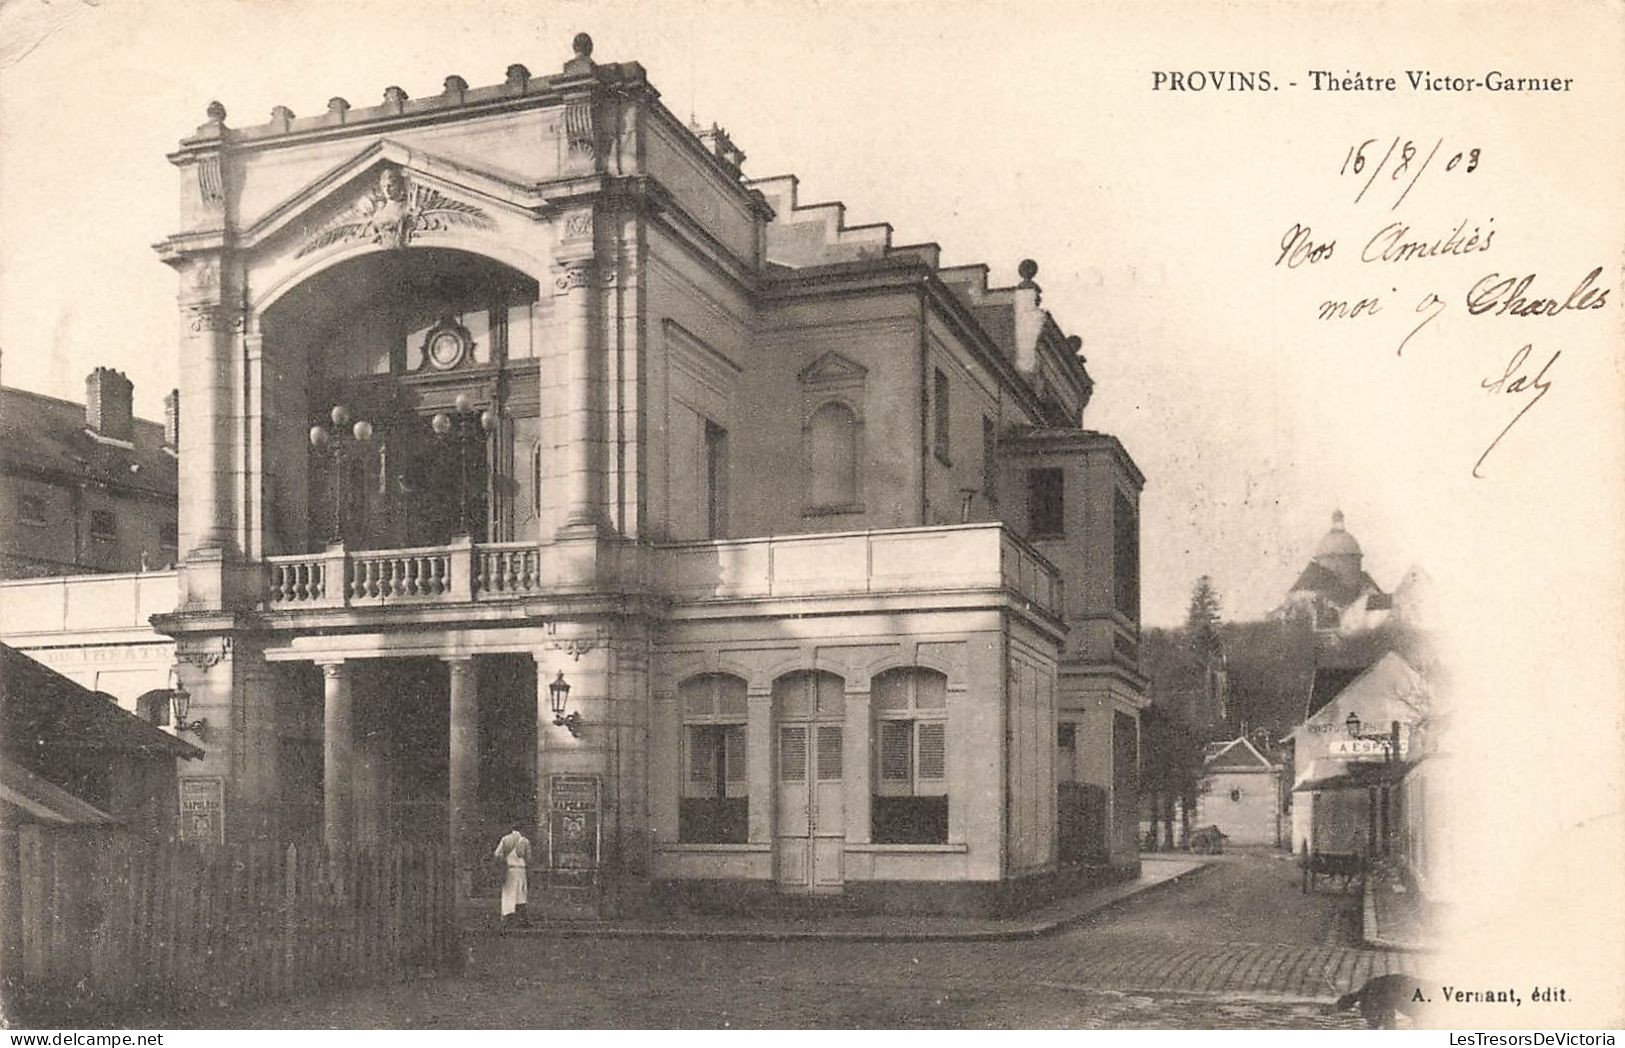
x=759, y=762
x=856, y=764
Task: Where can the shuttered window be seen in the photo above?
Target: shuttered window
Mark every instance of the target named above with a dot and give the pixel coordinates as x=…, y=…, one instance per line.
x=793, y=754
x=829, y=753
x=933, y=763
x=897, y=750
x=702, y=758
x=734, y=754
x=714, y=807
x=911, y=732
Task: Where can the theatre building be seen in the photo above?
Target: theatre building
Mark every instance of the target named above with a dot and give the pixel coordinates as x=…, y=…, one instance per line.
x=517, y=388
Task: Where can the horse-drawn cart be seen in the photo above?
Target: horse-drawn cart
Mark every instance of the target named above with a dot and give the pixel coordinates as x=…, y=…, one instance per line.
x=1337, y=847
x=1346, y=867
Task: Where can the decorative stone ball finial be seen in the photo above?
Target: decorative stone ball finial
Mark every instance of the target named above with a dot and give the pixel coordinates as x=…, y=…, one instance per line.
x=337, y=105
x=582, y=45
x=216, y=112
x=394, y=95
x=518, y=75
x=456, y=85
x=1028, y=269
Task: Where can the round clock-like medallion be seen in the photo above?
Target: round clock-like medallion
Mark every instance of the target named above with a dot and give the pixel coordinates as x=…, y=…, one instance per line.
x=447, y=345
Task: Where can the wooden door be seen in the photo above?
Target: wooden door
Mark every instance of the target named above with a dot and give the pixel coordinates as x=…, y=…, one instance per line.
x=811, y=833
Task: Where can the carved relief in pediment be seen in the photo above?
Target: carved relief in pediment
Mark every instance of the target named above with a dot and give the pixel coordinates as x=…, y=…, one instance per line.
x=394, y=212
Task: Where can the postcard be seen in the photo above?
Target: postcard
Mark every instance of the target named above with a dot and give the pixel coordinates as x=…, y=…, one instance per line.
x=850, y=515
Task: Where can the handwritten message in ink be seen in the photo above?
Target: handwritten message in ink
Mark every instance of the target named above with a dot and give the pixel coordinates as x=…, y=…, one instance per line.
x=1411, y=297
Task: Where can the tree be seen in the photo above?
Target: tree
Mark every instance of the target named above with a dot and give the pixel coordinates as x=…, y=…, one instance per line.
x=1172, y=768
x=1202, y=620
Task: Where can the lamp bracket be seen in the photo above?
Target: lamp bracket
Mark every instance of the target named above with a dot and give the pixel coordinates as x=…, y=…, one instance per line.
x=205, y=657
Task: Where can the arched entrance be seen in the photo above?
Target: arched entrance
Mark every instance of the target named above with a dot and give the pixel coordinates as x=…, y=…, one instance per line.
x=433, y=352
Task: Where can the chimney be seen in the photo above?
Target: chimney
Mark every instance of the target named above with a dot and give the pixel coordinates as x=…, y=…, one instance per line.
x=107, y=404
x=172, y=420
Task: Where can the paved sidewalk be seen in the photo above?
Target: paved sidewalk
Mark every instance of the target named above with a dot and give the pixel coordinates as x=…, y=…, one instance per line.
x=1156, y=871
x=1396, y=916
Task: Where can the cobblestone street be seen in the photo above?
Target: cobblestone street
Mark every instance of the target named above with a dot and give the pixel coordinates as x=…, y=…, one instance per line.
x=1234, y=946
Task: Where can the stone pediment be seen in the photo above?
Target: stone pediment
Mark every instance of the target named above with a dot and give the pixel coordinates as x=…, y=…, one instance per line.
x=392, y=196
x=832, y=369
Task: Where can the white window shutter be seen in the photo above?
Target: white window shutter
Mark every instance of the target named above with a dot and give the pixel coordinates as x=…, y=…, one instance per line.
x=896, y=745
x=933, y=750
x=734, y=741
x=701, y=757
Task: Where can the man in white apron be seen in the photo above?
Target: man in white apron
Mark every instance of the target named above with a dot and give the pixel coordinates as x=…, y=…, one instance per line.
x=515, y=849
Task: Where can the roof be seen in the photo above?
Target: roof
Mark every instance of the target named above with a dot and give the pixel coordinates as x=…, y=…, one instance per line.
x=44, y=434
x=1327, y=683
x=33, y=799
x=1379, y=693
x=1318, y=578
x=1238, y=755
x=1358, y=776
x=40, y=709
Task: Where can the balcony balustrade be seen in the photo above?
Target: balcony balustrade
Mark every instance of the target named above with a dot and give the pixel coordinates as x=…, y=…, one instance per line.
x=459, y=572
x=900, y=560
x=896, y=561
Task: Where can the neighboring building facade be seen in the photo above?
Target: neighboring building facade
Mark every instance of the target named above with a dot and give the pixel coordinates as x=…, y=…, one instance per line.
x=1240, y=793
x=85, y=487
x=1331, y=773
x=528, y=380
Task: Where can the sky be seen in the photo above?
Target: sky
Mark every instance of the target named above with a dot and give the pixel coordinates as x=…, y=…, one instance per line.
x=1000, y=131
x=1003, y=131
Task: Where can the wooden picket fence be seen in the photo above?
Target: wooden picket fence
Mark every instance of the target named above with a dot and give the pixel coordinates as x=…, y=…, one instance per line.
x=109, y=917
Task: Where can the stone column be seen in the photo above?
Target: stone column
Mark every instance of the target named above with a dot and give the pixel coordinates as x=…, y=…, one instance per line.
x=210, y=330
x=856, y=747
x=338, y=753
x=581, y=419
x=759, y=762
x=462, y=804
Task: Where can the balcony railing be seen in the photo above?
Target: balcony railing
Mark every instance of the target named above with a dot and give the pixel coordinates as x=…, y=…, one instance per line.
x=460, y=572
x=900, y=560
x=903, y=560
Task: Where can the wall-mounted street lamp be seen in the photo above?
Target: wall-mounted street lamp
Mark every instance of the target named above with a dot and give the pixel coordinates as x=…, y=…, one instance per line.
x=1389, y=738
x=338, y=443
x=181, y=701
x=467, y=427
x=559, y=694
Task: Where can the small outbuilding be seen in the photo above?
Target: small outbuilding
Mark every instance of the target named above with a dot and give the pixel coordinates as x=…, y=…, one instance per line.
x=84, y=744
x=1241, y=794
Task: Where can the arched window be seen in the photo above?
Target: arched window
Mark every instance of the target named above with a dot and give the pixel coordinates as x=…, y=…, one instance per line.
x=911, y=757
x=832, y=453
x=715, y=804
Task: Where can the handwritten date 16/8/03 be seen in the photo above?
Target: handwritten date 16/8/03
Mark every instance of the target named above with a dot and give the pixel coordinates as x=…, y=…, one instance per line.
x=1401, y=164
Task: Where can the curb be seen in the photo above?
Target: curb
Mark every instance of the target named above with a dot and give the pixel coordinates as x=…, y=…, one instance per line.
x=1370, y=934
x=608, y=930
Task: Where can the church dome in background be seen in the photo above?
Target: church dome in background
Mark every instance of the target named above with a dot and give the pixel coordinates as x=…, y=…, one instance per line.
x=1337, y=542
